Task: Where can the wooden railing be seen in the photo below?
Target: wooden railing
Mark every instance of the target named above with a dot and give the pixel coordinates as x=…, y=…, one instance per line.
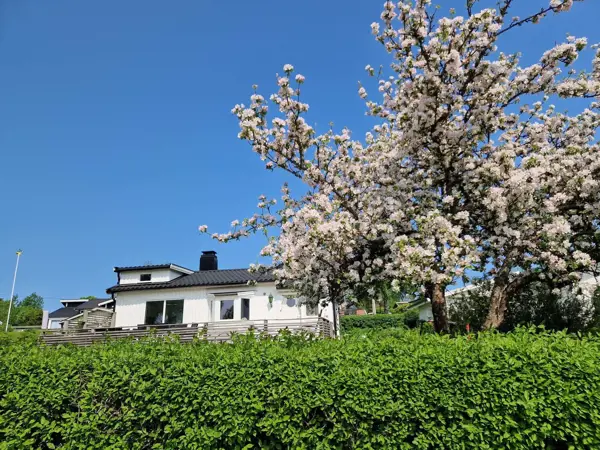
x=210, y=331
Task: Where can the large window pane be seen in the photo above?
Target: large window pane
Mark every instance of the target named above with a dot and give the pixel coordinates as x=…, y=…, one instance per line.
x=226, y=310
x=174, y=311
x=245, y=308
x=154, y=313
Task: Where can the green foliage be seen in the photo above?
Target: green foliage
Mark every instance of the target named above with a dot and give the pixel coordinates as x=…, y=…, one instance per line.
x=535, y=304
x=386, y=298
x=18, y=337
x=27, y=316
x=26, y=312
x=470, y=307
x=411, y=318
x=427, y=328
x=379, y=321
x=394, y=389
x=32, y=301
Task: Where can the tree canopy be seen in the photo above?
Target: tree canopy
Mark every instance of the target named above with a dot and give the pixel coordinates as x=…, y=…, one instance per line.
x=471, y=169
x=26, y=312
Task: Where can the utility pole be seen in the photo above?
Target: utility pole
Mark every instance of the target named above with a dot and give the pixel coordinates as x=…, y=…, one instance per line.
x=12, y=293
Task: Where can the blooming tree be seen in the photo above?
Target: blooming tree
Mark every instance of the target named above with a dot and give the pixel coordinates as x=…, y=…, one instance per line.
x=470, y=166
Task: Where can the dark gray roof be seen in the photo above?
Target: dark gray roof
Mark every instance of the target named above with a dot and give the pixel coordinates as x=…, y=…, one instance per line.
x=93, y=303
x=70, y=311
x=63, y=313
x=201, y=278
x=150, y=267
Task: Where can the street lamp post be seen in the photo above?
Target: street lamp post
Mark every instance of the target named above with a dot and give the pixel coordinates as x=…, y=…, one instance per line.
x=12, y=293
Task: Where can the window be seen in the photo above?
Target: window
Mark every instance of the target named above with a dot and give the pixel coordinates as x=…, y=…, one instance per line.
x=291, y=302
x=226, y=312
x=168, y=311
x=312, y=309
x=154, y=313
x=146, y=277
x=246, y=308
x=174, y=311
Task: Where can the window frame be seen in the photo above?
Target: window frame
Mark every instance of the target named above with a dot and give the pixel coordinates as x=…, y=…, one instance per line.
x=144, y=275
x=164, y=311
x=221, y=307
x=247, y=301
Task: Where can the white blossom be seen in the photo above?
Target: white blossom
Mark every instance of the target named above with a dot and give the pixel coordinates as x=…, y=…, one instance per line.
x=468, y=164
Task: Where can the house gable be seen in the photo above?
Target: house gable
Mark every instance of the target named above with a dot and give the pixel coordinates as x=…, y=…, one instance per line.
x=162, y=273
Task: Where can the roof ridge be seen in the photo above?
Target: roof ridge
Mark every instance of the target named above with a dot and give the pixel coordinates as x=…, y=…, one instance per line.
x=165, y=265
x=247, y=269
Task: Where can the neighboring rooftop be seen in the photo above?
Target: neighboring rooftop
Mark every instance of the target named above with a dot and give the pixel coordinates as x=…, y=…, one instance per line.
x=82, y=303
x=200, y=278
x=63, y=313
x=94, y=303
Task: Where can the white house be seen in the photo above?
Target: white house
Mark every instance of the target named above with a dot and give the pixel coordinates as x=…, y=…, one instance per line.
x=171, y=294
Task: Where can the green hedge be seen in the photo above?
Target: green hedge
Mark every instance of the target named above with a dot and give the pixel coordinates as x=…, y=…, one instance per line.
x=13, y=337
x=390, y=390
x=379, y=321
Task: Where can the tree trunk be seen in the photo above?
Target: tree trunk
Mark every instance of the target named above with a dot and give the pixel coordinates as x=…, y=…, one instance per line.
x=437, y=295
x=498, y=301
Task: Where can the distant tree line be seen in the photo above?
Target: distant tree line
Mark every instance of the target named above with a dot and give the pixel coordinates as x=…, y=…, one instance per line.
x=26, y=312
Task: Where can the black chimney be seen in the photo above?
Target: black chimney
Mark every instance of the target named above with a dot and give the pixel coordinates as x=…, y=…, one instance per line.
x=208, y=261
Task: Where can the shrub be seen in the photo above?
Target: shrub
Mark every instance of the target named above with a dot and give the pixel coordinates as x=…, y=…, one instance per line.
x=13, y=337
x=427, y=328
x=411, y=318
x=535, y=304
x=379, y=321
x=394, y=390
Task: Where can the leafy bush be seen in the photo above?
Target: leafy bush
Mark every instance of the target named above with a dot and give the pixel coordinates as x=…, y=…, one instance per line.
x=379, y=321
x=535, y=304
x=393, y=389
x=13, y=337
x=427, y=328
x=411, y=318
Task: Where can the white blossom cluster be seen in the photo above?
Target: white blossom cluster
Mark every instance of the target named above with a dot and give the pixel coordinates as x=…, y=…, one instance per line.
x=470, y=167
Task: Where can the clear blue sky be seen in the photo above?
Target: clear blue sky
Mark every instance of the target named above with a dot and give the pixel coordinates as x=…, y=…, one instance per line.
x=116, y=136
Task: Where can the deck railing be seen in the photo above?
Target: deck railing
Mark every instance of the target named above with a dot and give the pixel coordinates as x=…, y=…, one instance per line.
x=187, y=332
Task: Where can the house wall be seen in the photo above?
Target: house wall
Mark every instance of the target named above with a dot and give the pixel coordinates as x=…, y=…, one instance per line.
x=130, y=307
x=202, y=304
x=281, y=307
x=425, y=313
x=54, y=323
x=158, y=276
